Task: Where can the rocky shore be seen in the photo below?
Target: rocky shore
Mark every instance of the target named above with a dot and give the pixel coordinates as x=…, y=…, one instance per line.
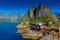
x=27, y=33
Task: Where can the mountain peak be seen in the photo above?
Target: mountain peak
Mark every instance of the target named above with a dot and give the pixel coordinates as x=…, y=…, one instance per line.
x=40, y=11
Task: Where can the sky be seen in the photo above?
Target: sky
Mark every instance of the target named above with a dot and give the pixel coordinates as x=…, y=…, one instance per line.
x=22, y=6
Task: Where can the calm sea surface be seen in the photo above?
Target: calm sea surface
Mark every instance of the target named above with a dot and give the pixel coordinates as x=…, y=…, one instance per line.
x=8, y=31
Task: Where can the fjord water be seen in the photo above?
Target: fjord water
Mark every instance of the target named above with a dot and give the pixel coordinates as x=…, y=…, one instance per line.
x=8, y=31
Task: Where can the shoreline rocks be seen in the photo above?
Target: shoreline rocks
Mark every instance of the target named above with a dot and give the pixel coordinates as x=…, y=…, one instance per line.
x=27, y=33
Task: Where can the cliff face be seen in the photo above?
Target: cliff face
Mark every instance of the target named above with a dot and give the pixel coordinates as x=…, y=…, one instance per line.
x=31, y=13
x=41, y=10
